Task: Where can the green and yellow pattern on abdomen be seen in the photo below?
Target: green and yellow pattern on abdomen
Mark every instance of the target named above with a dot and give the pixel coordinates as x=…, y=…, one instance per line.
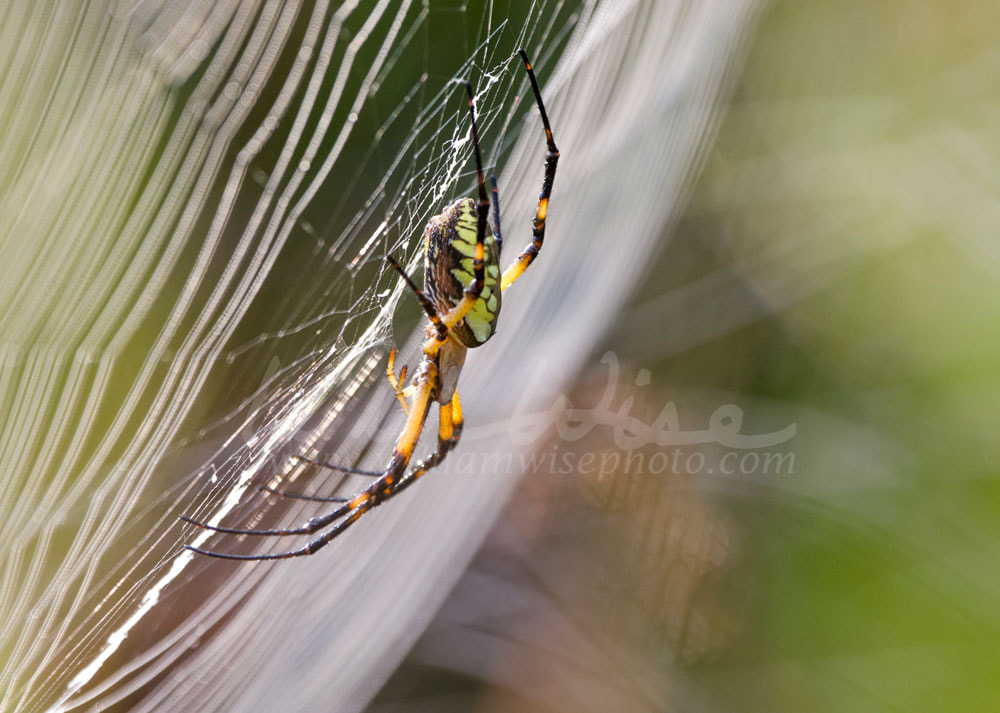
x=450, y=245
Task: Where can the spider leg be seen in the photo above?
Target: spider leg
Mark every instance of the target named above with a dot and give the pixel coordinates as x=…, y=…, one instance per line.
x=496, y=214
x=450, y=424
x=349, y=512
x=551, y=159
x=425, y=302
x=339, y=468
x=401, y=394
x=352, y=517
x=449, y=433
x=318, y=523
x=483, y=205
x=319, y=498
x=397, y=384
x=301, y=496
x=457, y=420
x=314, y=524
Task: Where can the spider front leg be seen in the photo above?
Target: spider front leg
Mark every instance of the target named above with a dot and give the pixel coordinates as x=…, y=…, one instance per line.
x=528, y=255
x=350, y=511
x=449, y=433
x=450, y=424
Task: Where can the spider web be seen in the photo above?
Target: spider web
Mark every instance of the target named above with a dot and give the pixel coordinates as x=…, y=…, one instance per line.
x=197, y=199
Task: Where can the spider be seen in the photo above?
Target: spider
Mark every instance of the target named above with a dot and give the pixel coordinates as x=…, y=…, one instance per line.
x=461, y=298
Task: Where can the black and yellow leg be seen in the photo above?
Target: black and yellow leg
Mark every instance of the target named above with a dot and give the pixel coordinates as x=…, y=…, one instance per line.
x=449, y=426
x=425, y=302
x=397, y=384
x=385, y=487
x=497, y=232
x=350, y=511
x=528, y=255
x=449, y=433
x=483, y=204
x=457, y=421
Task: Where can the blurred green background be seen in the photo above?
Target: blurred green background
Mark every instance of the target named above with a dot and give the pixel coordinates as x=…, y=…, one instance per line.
x=868, y=129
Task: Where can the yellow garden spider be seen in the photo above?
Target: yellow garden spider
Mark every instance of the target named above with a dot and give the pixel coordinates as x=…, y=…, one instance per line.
x=461, y=298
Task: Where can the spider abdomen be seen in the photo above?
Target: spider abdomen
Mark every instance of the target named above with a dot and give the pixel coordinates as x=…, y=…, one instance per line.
x=449, y=254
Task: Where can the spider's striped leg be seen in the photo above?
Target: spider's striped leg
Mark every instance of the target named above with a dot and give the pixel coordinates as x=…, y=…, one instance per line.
x=496, y=213
x=349, y=512
x=397, y=384
x=551, y=160
x=457, y=421
x=449, y=433
x=424, y=300
x=450, y=424
x=483, y=205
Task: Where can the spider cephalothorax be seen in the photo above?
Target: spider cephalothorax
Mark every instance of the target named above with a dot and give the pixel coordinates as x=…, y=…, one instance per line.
x=461, y=298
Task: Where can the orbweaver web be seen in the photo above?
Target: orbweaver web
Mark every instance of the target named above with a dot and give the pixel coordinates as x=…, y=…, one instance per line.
x=461, y=298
